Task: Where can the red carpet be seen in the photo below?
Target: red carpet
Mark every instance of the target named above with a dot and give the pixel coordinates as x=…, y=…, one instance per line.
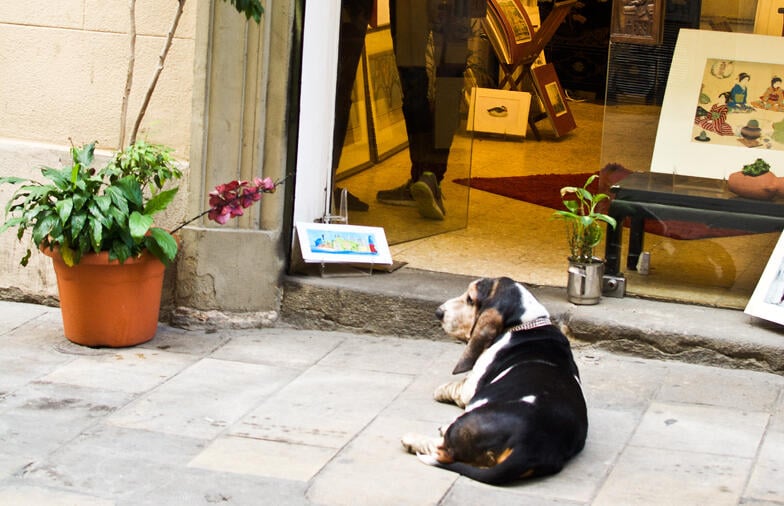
x=544, y=190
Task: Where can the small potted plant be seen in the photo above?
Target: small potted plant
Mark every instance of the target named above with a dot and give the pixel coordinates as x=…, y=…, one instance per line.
x=584, y=232
x=755, y=181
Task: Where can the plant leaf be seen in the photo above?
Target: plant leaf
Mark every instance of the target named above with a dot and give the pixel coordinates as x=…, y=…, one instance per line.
x=103, y=202
x=12, y=222
x=64, y=208
x=96, y=234
x=67, y=254
x=161, y=244
x=139, y=224
x=131, y=190
x=60, y=178
x=77, y=223
x=251, y=8
x=42, y=228
x=160, y=202
x=118, y=198
x=12, y=180
x=119, y=251
x=26, y=257
x=84, y=155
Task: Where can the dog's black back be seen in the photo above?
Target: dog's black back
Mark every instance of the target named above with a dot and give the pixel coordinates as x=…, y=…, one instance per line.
x=528, y=415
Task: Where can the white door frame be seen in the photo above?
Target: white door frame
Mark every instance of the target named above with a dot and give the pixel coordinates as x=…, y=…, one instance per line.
x=317, y=108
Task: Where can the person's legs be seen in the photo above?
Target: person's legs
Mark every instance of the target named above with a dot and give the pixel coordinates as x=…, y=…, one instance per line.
x=421, y=192
x=354, y=19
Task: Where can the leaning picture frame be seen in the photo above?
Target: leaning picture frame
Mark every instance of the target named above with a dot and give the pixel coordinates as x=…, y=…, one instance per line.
x=338, y=243
x=637, y=22
x=495, y=111
x=553, y=98
x=701, y=122
x=356, y=152
x=387, y=125
x=767, y=300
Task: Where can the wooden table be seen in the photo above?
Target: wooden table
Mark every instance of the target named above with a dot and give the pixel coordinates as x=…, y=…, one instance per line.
x=660, y=196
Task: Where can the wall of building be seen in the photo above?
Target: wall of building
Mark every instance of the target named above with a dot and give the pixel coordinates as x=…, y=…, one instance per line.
x=62, y=77
x=220, y=103
x=64, y=68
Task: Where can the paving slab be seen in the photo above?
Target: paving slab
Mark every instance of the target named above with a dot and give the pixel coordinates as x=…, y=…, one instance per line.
x=300, y=416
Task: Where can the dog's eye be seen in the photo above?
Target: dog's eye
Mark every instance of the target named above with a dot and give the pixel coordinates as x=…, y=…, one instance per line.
x=469, y=300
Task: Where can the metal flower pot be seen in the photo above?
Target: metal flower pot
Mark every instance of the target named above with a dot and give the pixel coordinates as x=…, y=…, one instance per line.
x=584, y=285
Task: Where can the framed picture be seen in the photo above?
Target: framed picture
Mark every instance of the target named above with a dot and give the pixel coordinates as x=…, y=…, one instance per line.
x=723, y=106
x=767, y=301
x=333, y=243
x=551, y=94
x=638, y=21
x=387, y=126
x=499, y=111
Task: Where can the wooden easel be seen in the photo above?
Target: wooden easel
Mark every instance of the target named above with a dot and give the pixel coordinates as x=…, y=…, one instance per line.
x=509, y=71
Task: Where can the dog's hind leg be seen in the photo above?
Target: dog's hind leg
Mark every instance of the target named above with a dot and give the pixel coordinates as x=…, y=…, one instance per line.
x=450, y=393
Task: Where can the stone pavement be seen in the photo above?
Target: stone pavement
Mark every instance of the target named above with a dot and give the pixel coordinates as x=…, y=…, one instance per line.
x=285, y=416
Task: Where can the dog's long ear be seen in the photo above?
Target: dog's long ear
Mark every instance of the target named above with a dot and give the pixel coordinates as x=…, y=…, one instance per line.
x=507, y=301
x=488, y=325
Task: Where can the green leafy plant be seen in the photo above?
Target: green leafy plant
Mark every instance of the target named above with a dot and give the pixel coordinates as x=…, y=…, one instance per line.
x=251, y=8
x=583, y=221
x=757, y=168
x=80, y=210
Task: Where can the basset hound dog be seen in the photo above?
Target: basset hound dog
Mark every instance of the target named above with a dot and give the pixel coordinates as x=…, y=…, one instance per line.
x=525, y=413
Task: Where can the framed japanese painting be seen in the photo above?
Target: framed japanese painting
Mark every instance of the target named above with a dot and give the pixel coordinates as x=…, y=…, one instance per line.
x=723, y=106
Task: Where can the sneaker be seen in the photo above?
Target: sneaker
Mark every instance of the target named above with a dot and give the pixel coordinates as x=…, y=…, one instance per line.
x=427, y=194
x=353, y=202
x=400, y=196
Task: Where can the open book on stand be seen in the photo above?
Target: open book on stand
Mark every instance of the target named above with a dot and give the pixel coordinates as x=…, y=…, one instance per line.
x=514, y=37
x=509, y=29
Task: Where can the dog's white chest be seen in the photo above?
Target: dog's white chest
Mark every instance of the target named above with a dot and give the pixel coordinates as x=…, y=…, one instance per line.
x=480, y=369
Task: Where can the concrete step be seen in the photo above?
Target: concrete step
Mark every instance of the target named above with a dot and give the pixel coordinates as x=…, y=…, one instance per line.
x=402, y=303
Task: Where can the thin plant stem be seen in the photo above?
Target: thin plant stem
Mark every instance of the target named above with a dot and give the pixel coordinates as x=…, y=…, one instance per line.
x=158, y=69
x=129, y=77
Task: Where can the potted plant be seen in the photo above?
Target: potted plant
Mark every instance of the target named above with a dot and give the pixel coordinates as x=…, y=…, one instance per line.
x=97, y=227
x=584, y=232
x=755, y=181
x=97, y=224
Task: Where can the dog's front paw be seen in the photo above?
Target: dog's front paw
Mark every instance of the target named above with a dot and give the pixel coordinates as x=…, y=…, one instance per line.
x=411, y=441
x=419, y=444
x=450, y=393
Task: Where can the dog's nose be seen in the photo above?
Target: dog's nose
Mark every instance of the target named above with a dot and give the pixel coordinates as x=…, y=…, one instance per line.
x=440, y=314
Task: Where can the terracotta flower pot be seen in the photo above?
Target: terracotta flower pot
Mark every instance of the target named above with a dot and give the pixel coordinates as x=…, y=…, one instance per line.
x=107, y=303
x=762, y=187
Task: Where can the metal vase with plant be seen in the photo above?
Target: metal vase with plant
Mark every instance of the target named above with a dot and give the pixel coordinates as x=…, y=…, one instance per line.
x=97, y=224
x=585, y=230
